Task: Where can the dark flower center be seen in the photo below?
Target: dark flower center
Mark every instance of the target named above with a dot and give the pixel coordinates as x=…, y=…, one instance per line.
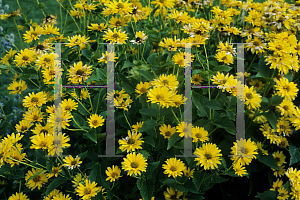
x=208, y=156
x=25, y=58
x=79, y=72
x=173, y=168
x=36, y=179
x=134, y=165
x=40, y=47
x=249, y=95
x=131, y=141
x=47, y=59
x=120, y=5
x=115, y=35
x=34, y=99
x=168, y=133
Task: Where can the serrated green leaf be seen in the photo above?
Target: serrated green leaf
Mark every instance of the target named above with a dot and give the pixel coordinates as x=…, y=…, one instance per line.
x=197, y=179
x=151, y=167
x=152, y=59
x=267, y=195
x=146, y=188
x=174, y=138
x=213, y=104
x=148, y=124
x=294, y=153
x=147, y=74
x=54, y=184
x=268, y=160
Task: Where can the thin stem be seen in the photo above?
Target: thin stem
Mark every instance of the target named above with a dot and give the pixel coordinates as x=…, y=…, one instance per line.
x=175, y=115
x=90, y=100
x=127, y=120
x=24, y=163
x=22, y=11
x=19, y=33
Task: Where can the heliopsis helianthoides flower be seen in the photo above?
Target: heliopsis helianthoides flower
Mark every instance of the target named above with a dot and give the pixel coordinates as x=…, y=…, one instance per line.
x=37, y=181
x=88, y=190
x=244, y=151
x=16, y=154
x=49, y=29
x=34, y=100
x=279, y=172
x=137, y=126
x=104, y=57
x=279, y=47
x=224, y=57
x=173, y=167
x=97, y=27
x=140, y=37
x=257, y=84
x=283, y=127
x=255, y=45
x=55, y=171
x=69, y=105
x=252, y=99
x=166, y=81
x=199, y=134
x=78, y=40
x=239, y=169
x=78, y=178
x=23, y=126
x=123, y=103
x=9, y=54
x=208, y=156
x=131, y=142
x=17, y=87
x=49, y=73
x=45, y=60
x=115, y=37
x=163, y=3
x=142, y=88
x=197, y=79
x=13, y=138
x=18, y=196
x=277, y=185
x=171, y=194
x=54, y=149
x=286, y=89
x=71, y=162
x=6, y=16
x=61, y=196
x=295, y=120
x=227, y=48
x=184, y=129
x=160, y=95
x=259, y=146
x=120, y=7
x=188, y=173
x=33, y=115
x=134, y=164
x=116, y=22
x=62, y=120
x=177, y=100
x=279, y=157
x=24, y=58
x=181, y=59
x=41, y=141
x=33, y=34
x=49, y=19
x=180, y=17
x=76, y=13
x=117, y=95
x=167, y=131
x=79, y=73
x=283, y=194
x=113, y=173
x=170, y=44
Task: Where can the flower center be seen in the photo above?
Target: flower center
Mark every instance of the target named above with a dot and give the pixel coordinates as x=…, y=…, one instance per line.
x=47, y=59
x=131, y=141
x=44, y=131
x=36, y=179
x=165, y=82
x=244, y=151
x=120, y=5
x=34, y=100
x=95, y=122
x=287, y=88
x=286, y=108
x=143, y=90
x=134, y=165
x=158, y=97
x=18, y=88
x=198, y=135
x=256, y=43
x=249, y=95
x=208, y=156
x=114, y=174
x=74, y=162
x=43, y=144
x=23, y=128
x=25, y=58
x=115, y=35
x=173, y=168
x=138, y=39
x=87, y=191
x=168, y=133
x=180, y=62
x=79, y=72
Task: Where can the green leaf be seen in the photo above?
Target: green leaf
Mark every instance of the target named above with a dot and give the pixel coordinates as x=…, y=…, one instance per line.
x=152, y=59
x=7, y=108
x=87, y=53
x=222, y=68
x=271, y=118
x=92, y=136
x=128, y=88
x=276, y=100
x=146, y=188
x=213, y=104
x=294, y=153
x=227, y=124
x=4, y=67
x=93, y=175
x=268, y=160
x=149, y=112
x=151, y=168
x=145, y=153
x=197, y=179
x=149, y=124
x=174, y=138
x=101, y=74
x=36, y=174
x=127, y=64
x=147, y=74
x=49, y=166
x=54, y=184
x=267, y=195
x=80, y=121
x=149, y=140
x=82, y=155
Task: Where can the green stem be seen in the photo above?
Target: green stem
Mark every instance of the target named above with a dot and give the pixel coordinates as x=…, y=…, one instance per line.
x=24, y=163
x=80, y=103
x=19, y=33
x=22, y=11
x=127, y=120
x=90, y=100
x=209, y=96
x=37, y=1
x=175, y=115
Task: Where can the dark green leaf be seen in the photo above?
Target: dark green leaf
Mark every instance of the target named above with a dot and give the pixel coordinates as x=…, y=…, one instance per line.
x=151, y=167
x=227, y=124
x=268, y=160
x=36, y=174
x=149, y=112
x=294, y=153
x=267, y=195
x=149, y=140
x=197, y=179
x=147, y=74
x=87, y=53
x=146, y=188
x=222, y=68
x=7, y=108
x=271, y=118
x=213, y=104
x=174, y=138
x=91, y=135
x=276, y=100
x=127, y=64
x=148, y=124
x=54, y=184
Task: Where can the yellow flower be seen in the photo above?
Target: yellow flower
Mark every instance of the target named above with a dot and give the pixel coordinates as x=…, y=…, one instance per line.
x=279, y=157
x=113, y=173
x=9, y=54
x=79, y=73
x=224, y=57
x=18, y=196
x=115, y=22
x=37, y=181
x=41, y=141
x=34, y=100
x=286, y=89
x=164, y=3
x=259, y=146
x=137, y=126
x=208, y=156
x=45, y=60
x=277, y=185
x=97, y=27
x=131, y=142
x=167, y=131
x=23, y=126
x=189, y=173
x=61, y=196
x=171, y=194
x=104, y=57
x=115, y=37
x=252, y=99
x=55, y=171
x=134, y=164
x=72, y=163
x=241, y=148
x=33, y=34
x=160, y=95
x=198, y=133
x=286, y=108
x=239, y=169
x=120, y=7
x=78, y=40
x=279, y=172
x=95, y=121
x=173, y=167
x=166, y=81
x=88, y=190
x=142, y=88
x=17, y=87
x=24, y=58
x=197, y=79
x=33, y=115
x=184, y=129
x=77, y=13
x=140, y=37
x=69, y=105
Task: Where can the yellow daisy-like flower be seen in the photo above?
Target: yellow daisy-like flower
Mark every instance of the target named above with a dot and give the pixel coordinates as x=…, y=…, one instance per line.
x=33, y=34
x=72, y=163
x=224, y=57
x=69, y=105
x=116, y=22
x=137, y=126
x=49, y=29
x=17, y=87
x=277, y=185
x=177, y=100
x=61, y=196
x=160, y=95
x=55, y=171
x=286, y=108
x=279, y=157
x=78, y=40
x=41, y=141
x=198, y=133
x=184, y=129
x=140, y=37
x=189, y=173
x=88, y=190
x=113, y=173
x=77, y=13
x=35, y=100
x=24, y=58
x=286, y=89
x=13, y=138
x=33, y=115
x=166, y=81
x=257, y=84
x=142, y=88
x=131, y=142
x=78, y=178
x=115, y=37
x=247, y=149
x=173, y=167
x=171, y=194
x=282, y=194
x=239, y=169
x=18, y=196
x=279, y=172
x=79, y=73
x=134, y=164
x=37, y=181
x=197, y=79
x=170, y=44
x=252, y=99
x=167, y=131
x=120, y=7
x=104, y=57
x=8, y=56
x=23, y=126
x=208, y=156
x=180, y=59
x=45, y=60
x=97, y=27
x=163, y=3
x=259, y=146
x=95, y=121
x=52, y=194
